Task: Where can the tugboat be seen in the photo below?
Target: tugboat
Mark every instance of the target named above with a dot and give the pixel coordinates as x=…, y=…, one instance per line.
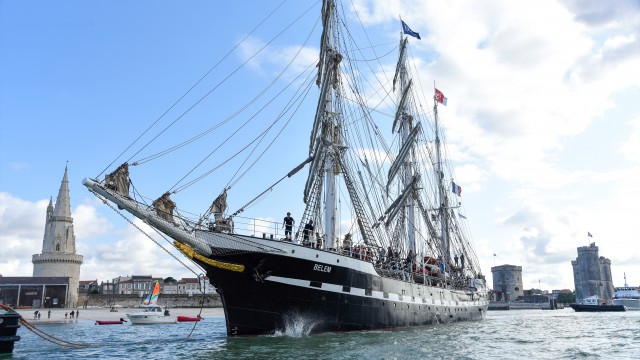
x=593, y=304
x=9, y=324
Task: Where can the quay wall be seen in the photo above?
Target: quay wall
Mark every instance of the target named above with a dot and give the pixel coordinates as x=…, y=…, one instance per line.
x=170, y=300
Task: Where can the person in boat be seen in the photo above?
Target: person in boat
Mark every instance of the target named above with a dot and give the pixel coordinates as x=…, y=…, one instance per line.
x=318, y=241
x=288, y=226
x=308, y=230
x=462, y=261
x=166, y=312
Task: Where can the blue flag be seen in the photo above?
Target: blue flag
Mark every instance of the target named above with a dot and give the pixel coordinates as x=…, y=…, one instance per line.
x=407, y=30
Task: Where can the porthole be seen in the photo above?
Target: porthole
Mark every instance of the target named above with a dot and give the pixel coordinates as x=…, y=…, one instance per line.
x=317, y=256
x=292, y=251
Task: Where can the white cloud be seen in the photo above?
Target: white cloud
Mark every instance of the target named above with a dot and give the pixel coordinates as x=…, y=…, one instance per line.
x=271, y=59
x=21, y=233
x=108, y=251
x=630, y=149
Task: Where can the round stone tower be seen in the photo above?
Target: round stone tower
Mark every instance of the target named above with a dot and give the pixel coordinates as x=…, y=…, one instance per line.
x=59, y=256
x=592, y=274
x=507, y=282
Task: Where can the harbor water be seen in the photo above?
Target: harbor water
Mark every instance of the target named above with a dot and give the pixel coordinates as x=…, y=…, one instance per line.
x=535, y=334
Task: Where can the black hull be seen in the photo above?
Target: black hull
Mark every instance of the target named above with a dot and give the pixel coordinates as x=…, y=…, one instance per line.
x=597, y=308
x=9, y=324
x=277, y=292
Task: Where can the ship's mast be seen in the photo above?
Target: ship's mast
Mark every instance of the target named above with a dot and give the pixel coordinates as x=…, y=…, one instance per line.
x=331, y=60
x=408, y=168
x=442, y=209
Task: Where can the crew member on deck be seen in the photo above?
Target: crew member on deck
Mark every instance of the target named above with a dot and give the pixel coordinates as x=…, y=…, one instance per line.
x=318, y=241
x=288, y=226
x=308, y=231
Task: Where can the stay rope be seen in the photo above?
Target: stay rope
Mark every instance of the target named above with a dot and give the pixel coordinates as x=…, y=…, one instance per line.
x=199, y=276
x=50, y=338
x=145, y=234
x=190, y=89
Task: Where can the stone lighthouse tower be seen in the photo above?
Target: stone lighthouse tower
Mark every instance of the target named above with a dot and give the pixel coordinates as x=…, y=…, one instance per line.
x=59, y=256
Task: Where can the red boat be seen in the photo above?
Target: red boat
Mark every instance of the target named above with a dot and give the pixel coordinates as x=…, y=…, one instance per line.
x=189, y=318
x=110, y=322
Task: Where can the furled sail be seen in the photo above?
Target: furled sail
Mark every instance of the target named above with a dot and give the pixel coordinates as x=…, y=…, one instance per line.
x=119, y=180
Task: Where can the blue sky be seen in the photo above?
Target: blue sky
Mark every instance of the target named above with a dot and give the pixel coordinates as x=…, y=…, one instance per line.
x=543, y=121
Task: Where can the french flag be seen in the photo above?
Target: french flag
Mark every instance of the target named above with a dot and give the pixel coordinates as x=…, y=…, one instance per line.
x=456, y=189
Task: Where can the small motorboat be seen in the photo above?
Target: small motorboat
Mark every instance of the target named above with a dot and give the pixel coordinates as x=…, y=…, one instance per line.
x=110, y=322
x=182, y=318
x=151, y=314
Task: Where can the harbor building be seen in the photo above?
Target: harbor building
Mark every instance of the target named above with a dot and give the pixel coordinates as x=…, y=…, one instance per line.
x=58, y=257
x=507, y=282
x=592, y=274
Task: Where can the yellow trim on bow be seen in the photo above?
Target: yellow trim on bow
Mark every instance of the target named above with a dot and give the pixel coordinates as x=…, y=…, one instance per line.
x=192, y=254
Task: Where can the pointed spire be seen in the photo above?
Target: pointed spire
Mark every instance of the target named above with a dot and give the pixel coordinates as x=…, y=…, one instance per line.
x=63, y=202
x=50, y=207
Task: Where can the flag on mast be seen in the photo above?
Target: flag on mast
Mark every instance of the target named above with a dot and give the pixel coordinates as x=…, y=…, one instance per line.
x=456, y=189
x=440, y=97
x=407, y=30
x=589, y=234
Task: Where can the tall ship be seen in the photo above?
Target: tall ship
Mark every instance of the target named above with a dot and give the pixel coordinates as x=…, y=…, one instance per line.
x=382, y=241
x=626, y=295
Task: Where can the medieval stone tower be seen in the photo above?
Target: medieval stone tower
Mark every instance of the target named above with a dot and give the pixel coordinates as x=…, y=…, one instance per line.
x=507, y=282
x=592, y=274
x=59, y=256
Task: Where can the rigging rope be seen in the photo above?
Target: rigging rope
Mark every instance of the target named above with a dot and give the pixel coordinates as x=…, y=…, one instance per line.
x=234, y=182
x=216, y=87
x=282, y=73
x=50, y=338
x=188, y=91
x=144, y=233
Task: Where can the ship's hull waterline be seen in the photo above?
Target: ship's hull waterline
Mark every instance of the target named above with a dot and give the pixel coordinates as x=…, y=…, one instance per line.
x=318, y=297
x=288, y=284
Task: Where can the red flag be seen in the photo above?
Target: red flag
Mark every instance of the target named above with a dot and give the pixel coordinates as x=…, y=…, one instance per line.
x=440, y=97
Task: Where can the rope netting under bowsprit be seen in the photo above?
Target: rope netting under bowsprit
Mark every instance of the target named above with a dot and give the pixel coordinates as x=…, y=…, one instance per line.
x=230, y=244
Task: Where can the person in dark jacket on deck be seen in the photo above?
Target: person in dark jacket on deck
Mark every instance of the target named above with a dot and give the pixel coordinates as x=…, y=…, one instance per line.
x=288, y=226
x=308, y=231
